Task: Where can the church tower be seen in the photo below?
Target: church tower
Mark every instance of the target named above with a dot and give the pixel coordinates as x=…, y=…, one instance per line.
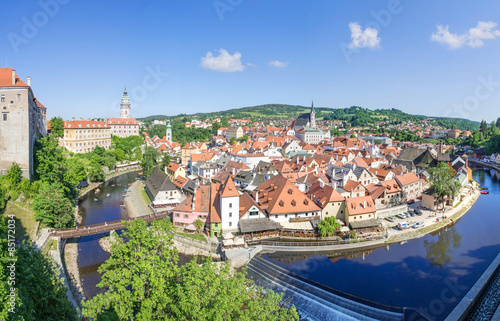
x=169, y=132
x=125, y=105
x=312, y=120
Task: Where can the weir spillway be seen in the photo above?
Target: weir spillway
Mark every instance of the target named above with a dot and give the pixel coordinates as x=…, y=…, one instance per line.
x=318, y=302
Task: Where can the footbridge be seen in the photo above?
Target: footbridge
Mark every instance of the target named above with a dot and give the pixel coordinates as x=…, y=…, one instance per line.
x=104, y=227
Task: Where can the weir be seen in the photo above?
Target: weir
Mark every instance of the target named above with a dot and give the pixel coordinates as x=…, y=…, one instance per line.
x=318, y=302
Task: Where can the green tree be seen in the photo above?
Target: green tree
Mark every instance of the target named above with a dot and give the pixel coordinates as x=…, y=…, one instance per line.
x=232, y=141
x=498, y=122
x=215, y=127
x=442, y=182
x=52, y=208
x=13, y=175
x=49, y=160
x=3, y=197
x=120, y=154
x=144, y=282
x=198, y=224
x=56, y=126
x=149, y=160
x=165, y=160
x=75, y=172
x=224, y=122
x=484, y=128
x=40, y=293
x=96, y=174
x=244, y=138
x=328, y=226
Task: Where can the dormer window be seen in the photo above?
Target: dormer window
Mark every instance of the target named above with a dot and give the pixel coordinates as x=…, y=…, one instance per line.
x=294, y=203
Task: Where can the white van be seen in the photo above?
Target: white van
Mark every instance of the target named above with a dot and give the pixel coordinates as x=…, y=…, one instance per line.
x=403, y=225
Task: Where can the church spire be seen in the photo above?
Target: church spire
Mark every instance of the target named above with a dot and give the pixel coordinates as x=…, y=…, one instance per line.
x=312, y=116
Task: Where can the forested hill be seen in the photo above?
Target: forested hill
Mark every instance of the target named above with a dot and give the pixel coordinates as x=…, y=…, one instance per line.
x=355, y=115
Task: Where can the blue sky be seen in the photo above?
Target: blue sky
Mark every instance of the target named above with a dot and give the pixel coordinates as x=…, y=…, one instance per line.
x=436, y=58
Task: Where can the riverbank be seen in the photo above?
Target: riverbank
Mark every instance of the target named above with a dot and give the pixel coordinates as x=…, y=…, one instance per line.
x=134, y=202
x=70, y=253
x=452, y=216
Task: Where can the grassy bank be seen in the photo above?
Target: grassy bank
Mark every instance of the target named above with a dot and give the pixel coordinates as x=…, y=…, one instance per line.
x=26, y=225
x=198, y=237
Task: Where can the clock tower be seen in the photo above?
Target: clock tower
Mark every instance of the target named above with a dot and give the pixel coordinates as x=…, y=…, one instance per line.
x=125, y=105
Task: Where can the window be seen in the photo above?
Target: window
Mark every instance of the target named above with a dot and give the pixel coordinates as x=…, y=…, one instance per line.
x=275, y=216
x=230, y=205
x=186, y=216
x=4, y=117
x=230, y=214
x=230, y=223
x=177, y=215
x=18, y=97
x=2, y=99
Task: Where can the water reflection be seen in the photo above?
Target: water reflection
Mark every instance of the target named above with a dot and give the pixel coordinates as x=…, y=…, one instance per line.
x=439, y=251
x=415, y=274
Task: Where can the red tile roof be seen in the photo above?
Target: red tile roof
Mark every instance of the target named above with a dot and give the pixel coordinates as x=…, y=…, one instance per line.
x=360, y=205
x=6, y=79
x=85, y=124
x=229, y=189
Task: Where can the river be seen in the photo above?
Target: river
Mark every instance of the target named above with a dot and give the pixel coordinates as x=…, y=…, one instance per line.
x=430, y=274
x=90, y=253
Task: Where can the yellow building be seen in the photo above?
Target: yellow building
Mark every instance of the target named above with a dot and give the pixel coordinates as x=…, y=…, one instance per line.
x=174, y=170
x=82, y=136
x=234, y=132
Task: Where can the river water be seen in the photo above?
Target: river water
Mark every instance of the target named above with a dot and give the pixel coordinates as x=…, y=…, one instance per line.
x=90, y=253
x=430, y=274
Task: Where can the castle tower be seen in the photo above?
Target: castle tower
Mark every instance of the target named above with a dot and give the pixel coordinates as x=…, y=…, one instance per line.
x=125, y=105
x=169, y=132
x=312, y=120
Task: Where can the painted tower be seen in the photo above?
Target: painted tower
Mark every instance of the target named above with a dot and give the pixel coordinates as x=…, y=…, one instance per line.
x=229, y=206
x=312, y=116
x=125, y=105
x=169, y=132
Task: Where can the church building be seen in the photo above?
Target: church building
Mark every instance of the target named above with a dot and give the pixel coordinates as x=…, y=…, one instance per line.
x=124, y=126
x=306, y=130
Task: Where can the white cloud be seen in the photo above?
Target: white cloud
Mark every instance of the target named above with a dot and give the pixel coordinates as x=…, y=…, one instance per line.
x=224, y=62
x=473, y=38
x=278, y=64
x=360, y=38
x=249, y=64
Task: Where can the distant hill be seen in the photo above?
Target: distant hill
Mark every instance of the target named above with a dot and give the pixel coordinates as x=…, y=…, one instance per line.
x=355, y=115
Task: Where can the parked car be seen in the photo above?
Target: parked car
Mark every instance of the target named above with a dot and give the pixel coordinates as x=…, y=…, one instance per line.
x=411, y=201
x=403, y=225
x=420, y=197
x=418, y=212
x=418, y=225
x=411, y=213
x=390, y=219
x=401, y=216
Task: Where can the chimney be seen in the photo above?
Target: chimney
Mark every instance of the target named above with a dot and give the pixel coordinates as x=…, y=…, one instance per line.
x=13, y=77
x=364, y=204
x=297, y=160
x=257, y=197
x=466, y=161
x=29, y=81
x=194, y=196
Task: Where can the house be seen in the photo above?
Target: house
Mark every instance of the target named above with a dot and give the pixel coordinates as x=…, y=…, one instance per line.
x=195, y=207
x=229, y=206
x=282, y=201
x=355, y=189
x=328, y=199
x=360, y=209
x=410, y=184
x=161, y=190
x=173, y=170
x=235, y=132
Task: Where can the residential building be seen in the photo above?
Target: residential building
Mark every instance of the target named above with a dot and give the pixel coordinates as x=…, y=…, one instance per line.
x=173, y=170
x=82, y=136
x=23, y=120
x=161, y=190
x=235, y=132
x=282, y=201
x=195, y=207
x=328, y=199
x=411, y=185
x=359, y=209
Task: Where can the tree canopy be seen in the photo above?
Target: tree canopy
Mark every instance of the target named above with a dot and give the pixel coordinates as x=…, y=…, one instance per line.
x=145, y=282
x=328, y=226
x=441, y=180
x=56, y=126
